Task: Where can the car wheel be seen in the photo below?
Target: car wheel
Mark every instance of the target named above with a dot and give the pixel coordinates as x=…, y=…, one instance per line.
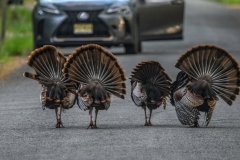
x=139, y=47
x=133, y=49
x=130, y=49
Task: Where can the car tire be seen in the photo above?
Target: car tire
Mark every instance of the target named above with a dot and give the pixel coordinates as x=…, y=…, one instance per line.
x=133, y=49
x=130, y=49
x=139, y=47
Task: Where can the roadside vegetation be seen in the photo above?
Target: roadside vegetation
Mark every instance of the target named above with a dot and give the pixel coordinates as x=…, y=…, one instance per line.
x=18, y=36
x=228, y=1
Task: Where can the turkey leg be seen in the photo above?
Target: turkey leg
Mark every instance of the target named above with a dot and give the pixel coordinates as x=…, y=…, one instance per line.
x=91, y=122
x=145, y=113
x=58, y=117
x=149, y=121
x=95, y=121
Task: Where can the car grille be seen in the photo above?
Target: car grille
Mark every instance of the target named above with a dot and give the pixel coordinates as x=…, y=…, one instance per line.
x=65, y=30
x=40, y=27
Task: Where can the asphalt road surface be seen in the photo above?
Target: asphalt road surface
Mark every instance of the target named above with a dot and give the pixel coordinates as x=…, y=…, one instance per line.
x=28, y=133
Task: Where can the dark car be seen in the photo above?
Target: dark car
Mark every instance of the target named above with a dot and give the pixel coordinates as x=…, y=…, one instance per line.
x=106, y=22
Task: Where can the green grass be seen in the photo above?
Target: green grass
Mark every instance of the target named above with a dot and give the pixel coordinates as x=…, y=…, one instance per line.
x=228, y=1
x=18, y=37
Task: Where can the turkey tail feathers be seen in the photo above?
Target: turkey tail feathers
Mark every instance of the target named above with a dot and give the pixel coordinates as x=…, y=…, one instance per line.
x=31, y=76
x=48, y=64
x=152, y=72
x=213, y=70
x=93, y=62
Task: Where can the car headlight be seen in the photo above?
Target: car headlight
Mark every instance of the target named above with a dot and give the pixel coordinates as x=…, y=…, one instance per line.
x=48, y=9
x=118, y=8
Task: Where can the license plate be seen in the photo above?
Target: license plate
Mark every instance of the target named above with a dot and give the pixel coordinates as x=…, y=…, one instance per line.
x=86, y=28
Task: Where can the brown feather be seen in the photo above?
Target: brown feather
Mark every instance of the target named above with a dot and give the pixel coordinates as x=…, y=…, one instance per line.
x=92, y=63
x=150, y=84
x=214, y=72
x=48, y=64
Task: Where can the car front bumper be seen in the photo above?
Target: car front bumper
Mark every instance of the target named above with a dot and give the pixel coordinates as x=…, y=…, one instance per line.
x=108, y=29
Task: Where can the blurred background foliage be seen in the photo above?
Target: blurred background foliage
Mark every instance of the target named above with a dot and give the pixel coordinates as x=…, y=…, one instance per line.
x=18, y=35
x=18, y=38
x=228, y=1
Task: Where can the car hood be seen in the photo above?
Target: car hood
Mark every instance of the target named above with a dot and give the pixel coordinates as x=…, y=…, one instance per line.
x=84, y=1
x=71, y=4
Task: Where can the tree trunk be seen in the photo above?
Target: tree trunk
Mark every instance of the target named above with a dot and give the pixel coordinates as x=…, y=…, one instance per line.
x=3, y=27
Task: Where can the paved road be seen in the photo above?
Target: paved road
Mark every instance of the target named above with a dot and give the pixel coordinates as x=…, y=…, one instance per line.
x=27, y=132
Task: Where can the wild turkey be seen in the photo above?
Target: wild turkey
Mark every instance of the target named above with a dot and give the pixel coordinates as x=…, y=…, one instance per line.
x=150, y=87
x=208, y=72
x=99, y=74
x=57, y=91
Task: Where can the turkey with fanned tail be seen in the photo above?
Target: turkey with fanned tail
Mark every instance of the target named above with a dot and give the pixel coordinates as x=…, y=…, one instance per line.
x=99, y=74
x=150, y=87
x=57, y=91
x=208, y=72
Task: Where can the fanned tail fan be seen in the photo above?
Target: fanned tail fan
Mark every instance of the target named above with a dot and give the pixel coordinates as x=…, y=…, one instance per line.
x=151, y=72
x=91, y=64
x=213, y=70
x=48, y=64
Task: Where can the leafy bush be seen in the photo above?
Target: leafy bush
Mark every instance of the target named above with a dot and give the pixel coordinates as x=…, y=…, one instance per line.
x=18, y=37
x=229, y=1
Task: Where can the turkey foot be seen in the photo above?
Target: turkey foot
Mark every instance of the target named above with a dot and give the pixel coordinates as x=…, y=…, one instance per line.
x=196, y=125
x=59, y=124
x=92, y=126
x=95, y=126
x=148, y=124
